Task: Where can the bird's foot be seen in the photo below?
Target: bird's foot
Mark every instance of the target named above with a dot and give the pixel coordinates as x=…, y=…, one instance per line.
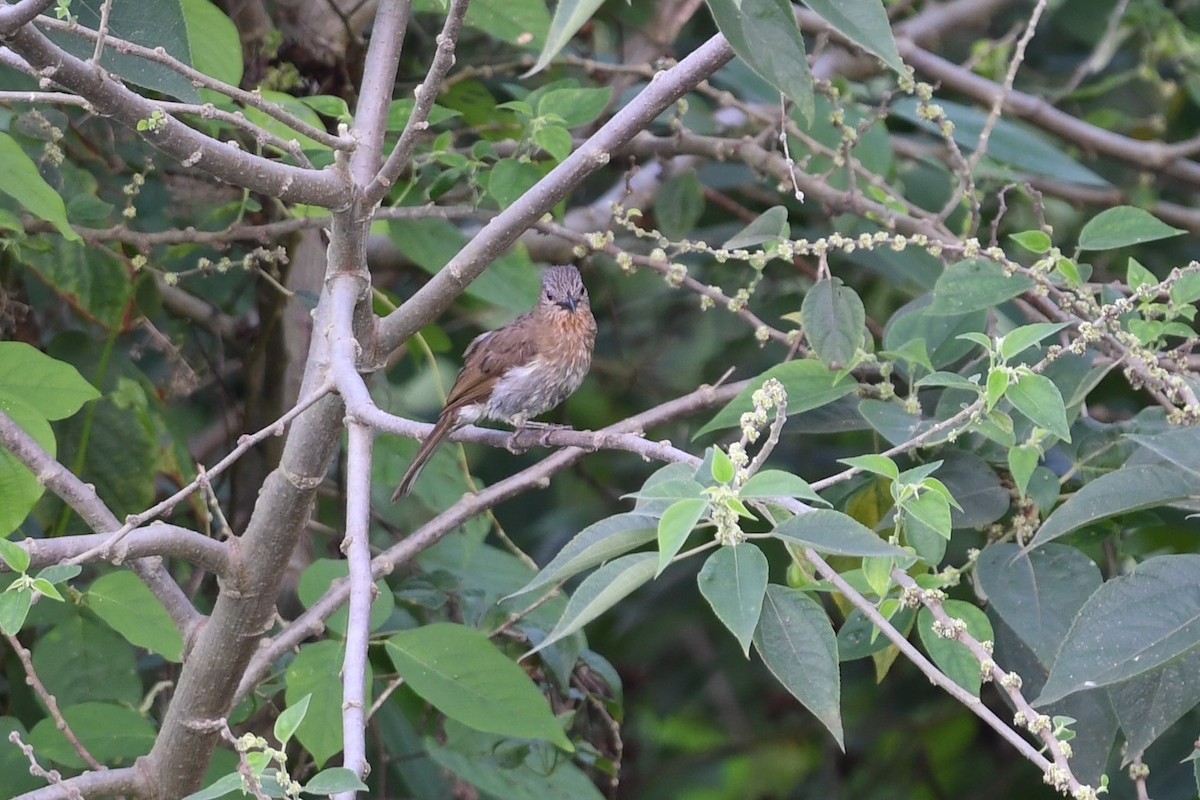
x=528, y=434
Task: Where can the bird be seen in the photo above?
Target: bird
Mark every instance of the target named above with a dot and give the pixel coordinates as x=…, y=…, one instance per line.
x=521, y=370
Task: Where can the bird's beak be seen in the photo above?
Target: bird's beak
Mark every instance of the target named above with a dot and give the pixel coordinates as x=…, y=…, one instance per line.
x=570, y=304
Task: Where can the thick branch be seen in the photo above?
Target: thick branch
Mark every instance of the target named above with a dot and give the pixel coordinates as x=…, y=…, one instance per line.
x=326, y=188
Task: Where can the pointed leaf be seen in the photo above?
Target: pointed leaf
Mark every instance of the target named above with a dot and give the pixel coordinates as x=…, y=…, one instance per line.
x=673, y=529
x=769, y=226
x=1123, y=226
x=599, y=592
x=1039, y=400
x=459, y=671
x=864, y=22
x=592, y=546
x=975, y=285
x=777, y=483
x=1180, y=446
x=765, y=35
x=833, y=532
x=1119, y=492
x=833, y=318
x=809, y=384
x=1020, y=339
x=54, y=388
x=290, y=718
x=569, y=17
x=1132, y=624
x=796, y=642
x=335, y=780
x=21, y=180
x=951, y=656
x=125, y=603
x=733, y=581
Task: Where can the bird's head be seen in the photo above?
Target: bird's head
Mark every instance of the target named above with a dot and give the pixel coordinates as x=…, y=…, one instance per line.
x=563, y=287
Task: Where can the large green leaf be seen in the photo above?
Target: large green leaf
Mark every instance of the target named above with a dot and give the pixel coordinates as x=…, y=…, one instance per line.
x=600, y=591
x=595, y=544
x=54, y=388
x=80, y=660
x=833, y=532
x=213, y=40
x=1180, y=446
x=764, y=34
x=113, y=734
x=1119, y=492
x=1037, y=594
x=124, y=602
x=317, y=671
x=863, y=22
x=797, y=643
x=569, y=17
x=159, y=24
x=733, y=581
x=809, y=384
x=319, y=577
x=21, y=180
x=1010, y=142
x=953, y=657
x=975, y=285
x=674, y=527
x=19, y=488
x=1149, y=704
x=1123, y=226
x=460, y=672
x=1039, y=400
x=834, y=319
x=1131, y=625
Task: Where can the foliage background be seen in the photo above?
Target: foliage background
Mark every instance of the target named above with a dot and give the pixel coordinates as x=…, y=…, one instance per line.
x=185, y=304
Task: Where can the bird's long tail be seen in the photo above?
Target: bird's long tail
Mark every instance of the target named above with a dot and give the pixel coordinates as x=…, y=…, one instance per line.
x=445, y=424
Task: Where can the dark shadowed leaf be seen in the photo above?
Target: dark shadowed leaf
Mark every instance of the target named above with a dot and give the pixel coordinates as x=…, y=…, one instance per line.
x=764, y=34
x=1131, y=625
x=733, y=581
x=833, y=318
x=951, y=656
x=796, y=642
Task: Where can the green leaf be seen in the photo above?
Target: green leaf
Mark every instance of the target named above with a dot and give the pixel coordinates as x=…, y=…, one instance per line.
x=555, y=140
x=1123, y=226
x=722, y=467
x=1119, y=492
x=1010, y=143
x=460, y=672
x=1180, y=446
x=765, y=35
x=227, y=784
x=932, y=510
x=834, y=319
x=576, y=106
x=975, y=285
x=997, y=385
x=1022, y=461
x=80, y=660
x=679, y=205
x=777, y=483
x=595, y=544
x=124, y=602
x=863, y=22
x=949, y=380
x=510, y=178
x=1034, y=241
x=15, y=556
x=58, y=573
x=19, y=488
x=676, y=524
x=111, y=732
x=769, y=226
x=508, y=771
x=14, y=608
x=1132, y=624
x=317, y=579
x=569, y=17
x=599, y=592
x=833, y=532
x=21, y=180
x=213, y=39
x=95, y=281
x=335, y=780
x=733, y=581
x=290, y=718
x=1020, y=339
x=1137, y=276
x=953, y=657
x=796, y=642
x=317, y=670
x=1037, y=594
x=874, y=464
x=1039, y=400
x=809, y=384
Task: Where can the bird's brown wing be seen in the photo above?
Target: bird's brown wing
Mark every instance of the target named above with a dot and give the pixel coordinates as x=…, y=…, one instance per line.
x=488, y=357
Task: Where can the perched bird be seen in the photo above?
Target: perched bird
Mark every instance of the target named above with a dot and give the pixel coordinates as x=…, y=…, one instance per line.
x=514, y=373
